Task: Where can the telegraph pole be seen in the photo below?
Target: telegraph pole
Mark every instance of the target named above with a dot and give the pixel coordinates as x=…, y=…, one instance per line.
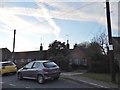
x=111, y=54
x=13, y=45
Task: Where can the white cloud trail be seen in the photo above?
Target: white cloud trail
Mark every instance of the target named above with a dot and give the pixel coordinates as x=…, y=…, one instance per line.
x=56, y=29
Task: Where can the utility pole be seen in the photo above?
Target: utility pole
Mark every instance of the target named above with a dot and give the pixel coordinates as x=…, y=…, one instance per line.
x=13, y=45
x=111, y=54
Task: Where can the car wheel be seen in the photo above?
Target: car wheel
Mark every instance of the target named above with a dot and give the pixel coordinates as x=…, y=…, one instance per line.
x=20, y=76
x=14, y=72
x=40, y=79
x=56, y=78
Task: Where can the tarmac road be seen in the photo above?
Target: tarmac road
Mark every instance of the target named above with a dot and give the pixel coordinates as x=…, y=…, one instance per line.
x=11, y=81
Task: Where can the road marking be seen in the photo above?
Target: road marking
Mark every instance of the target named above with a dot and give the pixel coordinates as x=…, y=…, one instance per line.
x=94, y=84
x=12, y=84
x=27, y=87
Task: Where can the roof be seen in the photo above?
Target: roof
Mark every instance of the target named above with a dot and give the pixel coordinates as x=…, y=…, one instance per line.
x=117, y=39
x=29, y=54
x=41, y=61
x=116, y=45
x=6, y=62
x=5, y=49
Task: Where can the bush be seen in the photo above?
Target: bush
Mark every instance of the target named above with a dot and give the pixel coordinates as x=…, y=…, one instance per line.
x=100, y=65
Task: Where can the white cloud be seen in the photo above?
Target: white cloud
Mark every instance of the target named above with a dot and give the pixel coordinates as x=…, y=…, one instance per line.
x=94, y=12
x=23, y=44
x=44, y=17
x=56, y=29
x=64, y=12
x=9, y=18
x=59, y=0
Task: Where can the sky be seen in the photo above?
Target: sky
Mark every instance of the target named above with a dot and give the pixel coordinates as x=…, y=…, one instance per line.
x=43, y=21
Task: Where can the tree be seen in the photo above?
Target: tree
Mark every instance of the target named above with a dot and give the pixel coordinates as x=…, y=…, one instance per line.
x=102, y=40
x=90, y=48
x=57, y=52
x=98, y=62
x=57, y=45
x=56, y=48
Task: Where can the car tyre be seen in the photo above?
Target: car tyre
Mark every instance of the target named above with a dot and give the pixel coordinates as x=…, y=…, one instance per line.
x=56, y=78
x=20, y=76
x=40, y=79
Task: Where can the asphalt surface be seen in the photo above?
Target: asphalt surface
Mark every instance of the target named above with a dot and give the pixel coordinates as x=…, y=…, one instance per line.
x=11, y=81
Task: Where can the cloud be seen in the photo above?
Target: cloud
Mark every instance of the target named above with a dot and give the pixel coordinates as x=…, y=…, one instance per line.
x=94, y=12
x=56, y=29
x=63, y=11
x=11, y=19
x=22, y=43
x=59, y=0
x=41, y=20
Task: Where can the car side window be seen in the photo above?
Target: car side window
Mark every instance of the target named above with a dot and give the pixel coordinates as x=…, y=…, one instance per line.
x=0, y=65
x=29, y=65
x=36, y=65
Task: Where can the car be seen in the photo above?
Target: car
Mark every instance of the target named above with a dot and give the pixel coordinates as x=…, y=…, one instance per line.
x=40, y=70
x=7, y=67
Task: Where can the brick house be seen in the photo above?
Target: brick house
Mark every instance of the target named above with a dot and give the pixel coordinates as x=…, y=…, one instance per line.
x=5, y=54
x=78, y=57
x=22, y=58
x=116, y=48
x=74, y=56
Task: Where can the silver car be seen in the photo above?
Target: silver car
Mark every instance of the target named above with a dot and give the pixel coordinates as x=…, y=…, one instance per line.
x=39, y=70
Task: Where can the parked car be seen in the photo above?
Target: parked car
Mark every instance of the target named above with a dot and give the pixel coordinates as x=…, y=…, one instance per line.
x=40, y=70
x=7, y=67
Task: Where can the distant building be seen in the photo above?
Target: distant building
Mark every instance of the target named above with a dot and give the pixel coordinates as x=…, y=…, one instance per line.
x=74, y=56
x=30, y=55
x=116, y=48
x=78, y=57
x=5, y=54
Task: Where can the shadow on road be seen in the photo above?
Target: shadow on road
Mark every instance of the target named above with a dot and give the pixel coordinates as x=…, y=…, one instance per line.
x=8, y=74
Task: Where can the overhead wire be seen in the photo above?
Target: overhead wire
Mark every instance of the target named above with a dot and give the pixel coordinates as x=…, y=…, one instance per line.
x=93, y=33
x=72, y=11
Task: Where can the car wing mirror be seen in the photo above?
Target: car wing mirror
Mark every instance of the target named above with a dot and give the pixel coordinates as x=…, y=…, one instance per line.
x=25, y=68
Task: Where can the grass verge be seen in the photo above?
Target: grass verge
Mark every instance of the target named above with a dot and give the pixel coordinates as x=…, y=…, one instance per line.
x=101, y=77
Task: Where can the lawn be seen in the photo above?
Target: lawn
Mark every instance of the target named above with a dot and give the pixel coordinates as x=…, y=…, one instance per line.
x=101, y=77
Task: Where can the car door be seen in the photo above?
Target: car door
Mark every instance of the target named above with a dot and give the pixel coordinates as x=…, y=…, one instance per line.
x=26, y=69
x=34, y=70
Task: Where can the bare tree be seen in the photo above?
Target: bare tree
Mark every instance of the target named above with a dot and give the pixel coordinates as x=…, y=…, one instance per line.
x=102, y=40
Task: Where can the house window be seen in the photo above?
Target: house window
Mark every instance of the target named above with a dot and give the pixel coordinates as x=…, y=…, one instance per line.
x=84, y=61
x=77, y=62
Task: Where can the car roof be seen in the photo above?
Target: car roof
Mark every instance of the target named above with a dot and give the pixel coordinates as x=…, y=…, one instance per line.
x=42, y=61
x=6, y=62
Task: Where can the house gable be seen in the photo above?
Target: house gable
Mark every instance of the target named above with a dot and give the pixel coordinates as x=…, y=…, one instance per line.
x=78, y=57
x=5, y=54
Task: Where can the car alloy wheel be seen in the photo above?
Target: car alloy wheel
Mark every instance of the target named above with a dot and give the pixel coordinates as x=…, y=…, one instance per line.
x=20, y=76
x=40, y=79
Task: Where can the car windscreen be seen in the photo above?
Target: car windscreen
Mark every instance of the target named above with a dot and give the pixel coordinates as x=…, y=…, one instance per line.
x=50, y=64
x=7, y=64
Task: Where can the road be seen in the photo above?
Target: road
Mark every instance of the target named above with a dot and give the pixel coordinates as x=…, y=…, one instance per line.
x=11, y=81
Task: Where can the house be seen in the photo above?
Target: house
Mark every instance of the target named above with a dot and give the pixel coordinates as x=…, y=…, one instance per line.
x=30, y=55
x=116, y=48
x=22, y=58
x=78, y=57
x=5, y=54
x=65, y=56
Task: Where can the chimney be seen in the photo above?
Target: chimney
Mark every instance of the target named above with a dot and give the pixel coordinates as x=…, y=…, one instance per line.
x=68, y=46
x=41, y=47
